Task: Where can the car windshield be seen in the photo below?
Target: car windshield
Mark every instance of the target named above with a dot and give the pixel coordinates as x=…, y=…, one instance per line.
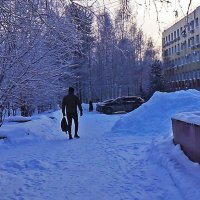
x=118, y=100
x=131, y=99
x=107, y=101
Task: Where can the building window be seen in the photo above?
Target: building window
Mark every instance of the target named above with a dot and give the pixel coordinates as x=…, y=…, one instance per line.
x=182, y=77
x=185, y=44
x=190, y=58
x=197, y=39
x=186, y=75
x=190, y=75
x=172, y=37
x=175, y=62
x=179, y=61
x=194, y=75
x=182, y=46
x=178, y=77
x=197, y=22
x=198, y=56
x=172, y=63
x=174, y=34
x=169, y=38
x=188, y=27
x=178, y=47
x=172, y=50
x=187, y=59
x=189, y=44
x=166, y=52
x=184, y=61
x=192, y=25
x=175, y=49
x=193, y=57
x=178, y=33
x=192, y=41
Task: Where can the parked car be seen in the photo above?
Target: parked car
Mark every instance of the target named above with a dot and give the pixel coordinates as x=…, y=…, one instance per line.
x=127, y=104
x=100, y=105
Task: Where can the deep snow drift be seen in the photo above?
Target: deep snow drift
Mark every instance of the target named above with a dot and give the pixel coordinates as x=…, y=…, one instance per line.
x=118, y=157
x=154, y=116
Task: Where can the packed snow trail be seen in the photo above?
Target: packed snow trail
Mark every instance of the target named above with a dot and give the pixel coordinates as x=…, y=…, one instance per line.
x=101, y=165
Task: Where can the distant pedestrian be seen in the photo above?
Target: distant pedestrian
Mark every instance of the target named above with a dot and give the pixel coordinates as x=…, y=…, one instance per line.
x=1, y=114
x=90, y=106
x=70, y=103
x=24, y=111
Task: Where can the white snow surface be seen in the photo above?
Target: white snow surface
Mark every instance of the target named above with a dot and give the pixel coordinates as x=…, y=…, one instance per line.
x=118, y=157
x=188, y=117
x=155, y=115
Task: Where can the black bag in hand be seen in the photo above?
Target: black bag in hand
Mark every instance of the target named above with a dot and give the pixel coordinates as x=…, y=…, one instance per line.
x=64, y=125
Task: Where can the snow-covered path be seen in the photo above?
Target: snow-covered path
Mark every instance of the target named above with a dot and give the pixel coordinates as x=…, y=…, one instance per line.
x=100, y=165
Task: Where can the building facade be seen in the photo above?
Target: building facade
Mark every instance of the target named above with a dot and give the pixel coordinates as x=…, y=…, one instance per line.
x=181, y=53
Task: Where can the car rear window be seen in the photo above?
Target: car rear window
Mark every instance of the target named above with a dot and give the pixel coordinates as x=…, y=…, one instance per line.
x=131, y=99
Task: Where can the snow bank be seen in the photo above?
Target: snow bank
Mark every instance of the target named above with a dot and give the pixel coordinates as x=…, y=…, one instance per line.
x=154, y=119
x=154, y=116
x=18, y=119
x=184, y=173
x=188, y=117
x=41, y=127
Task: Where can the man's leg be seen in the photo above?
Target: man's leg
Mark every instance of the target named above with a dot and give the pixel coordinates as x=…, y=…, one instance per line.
x=69, y=119
x=75, y=117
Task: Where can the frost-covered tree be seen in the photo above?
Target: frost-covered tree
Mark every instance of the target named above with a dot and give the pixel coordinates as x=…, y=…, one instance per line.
x=48, y=45
x=37, y=48
x=103, y=63
x=150, y=55
x=82, y=18
x=156, y=77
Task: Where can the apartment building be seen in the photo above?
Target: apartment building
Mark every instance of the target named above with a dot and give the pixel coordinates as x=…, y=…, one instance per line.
x=181, y=53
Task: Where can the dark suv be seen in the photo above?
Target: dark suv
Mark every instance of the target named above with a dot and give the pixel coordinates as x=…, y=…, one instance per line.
x=127, y=104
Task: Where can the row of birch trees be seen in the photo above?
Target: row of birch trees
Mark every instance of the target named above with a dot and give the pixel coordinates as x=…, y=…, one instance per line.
x=48, y=45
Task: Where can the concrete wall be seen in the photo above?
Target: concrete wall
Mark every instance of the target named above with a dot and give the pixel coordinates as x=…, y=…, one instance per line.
x=188, y=136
